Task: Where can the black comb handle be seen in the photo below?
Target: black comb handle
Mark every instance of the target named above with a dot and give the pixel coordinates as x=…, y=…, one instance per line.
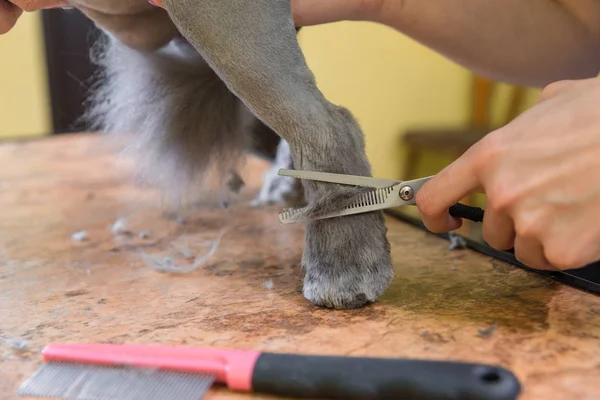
x=356, y=378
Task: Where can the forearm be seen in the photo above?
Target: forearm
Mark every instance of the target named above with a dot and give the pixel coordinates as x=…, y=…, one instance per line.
x=525, y=42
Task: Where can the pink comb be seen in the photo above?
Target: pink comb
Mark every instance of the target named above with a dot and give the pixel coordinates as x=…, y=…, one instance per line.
x=96, y=371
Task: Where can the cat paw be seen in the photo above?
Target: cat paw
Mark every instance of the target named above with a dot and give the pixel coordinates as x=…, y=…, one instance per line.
x=347, y=261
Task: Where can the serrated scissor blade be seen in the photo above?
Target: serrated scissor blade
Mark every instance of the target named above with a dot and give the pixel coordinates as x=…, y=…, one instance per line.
x=341, y=179
x=379, y=199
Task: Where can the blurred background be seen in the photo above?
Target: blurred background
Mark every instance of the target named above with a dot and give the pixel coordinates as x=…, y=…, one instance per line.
x=419, y=111
x=44, y=73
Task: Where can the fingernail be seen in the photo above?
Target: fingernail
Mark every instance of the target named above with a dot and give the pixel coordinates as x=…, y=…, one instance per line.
x=453, y=222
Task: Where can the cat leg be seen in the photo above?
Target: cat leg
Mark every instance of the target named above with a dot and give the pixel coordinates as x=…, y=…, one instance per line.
x=252, y=46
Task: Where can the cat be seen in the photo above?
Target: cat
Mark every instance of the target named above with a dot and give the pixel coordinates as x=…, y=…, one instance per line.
x=188, y=80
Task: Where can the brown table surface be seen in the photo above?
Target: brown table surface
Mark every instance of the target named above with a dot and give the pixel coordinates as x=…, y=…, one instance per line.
x=248, y=295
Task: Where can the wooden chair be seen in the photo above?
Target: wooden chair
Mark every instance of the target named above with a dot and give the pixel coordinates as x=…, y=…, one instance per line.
x=454, y=142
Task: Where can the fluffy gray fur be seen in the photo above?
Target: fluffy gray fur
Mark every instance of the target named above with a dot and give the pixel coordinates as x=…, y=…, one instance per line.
x=180, y=122
x=183, y=117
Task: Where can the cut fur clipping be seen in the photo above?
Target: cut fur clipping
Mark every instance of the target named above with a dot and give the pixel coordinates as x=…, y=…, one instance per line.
x=456, y=242
x=168, y=264
x=182, y=124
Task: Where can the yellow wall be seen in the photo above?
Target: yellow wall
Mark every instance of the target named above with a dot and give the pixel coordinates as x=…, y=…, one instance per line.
x=24, y=102
x=391, y=84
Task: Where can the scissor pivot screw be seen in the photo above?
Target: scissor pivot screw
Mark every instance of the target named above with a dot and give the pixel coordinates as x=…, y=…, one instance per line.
x=406, y=193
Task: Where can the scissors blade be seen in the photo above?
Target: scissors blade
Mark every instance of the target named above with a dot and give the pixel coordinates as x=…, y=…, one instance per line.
x=400, y=194
x=342, y=179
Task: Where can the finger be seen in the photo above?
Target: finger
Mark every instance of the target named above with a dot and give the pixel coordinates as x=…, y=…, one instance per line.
x=445, y=189
x=572, y=241
x=530, y=252
x=498, y=230
x=315, y=12
x=9, y=14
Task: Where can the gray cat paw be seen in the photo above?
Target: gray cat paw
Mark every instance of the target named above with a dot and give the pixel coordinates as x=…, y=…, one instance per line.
x=347, y=261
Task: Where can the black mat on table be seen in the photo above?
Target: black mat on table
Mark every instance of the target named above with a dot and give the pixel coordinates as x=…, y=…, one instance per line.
x=587, y=278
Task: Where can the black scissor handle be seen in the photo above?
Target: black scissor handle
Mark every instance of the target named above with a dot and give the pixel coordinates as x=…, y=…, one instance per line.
x=474, y=214
x=464, y=211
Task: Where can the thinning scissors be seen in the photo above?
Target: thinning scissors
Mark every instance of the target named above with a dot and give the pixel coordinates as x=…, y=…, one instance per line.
x=386, y=193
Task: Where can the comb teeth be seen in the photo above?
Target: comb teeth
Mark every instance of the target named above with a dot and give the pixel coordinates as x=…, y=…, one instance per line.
x=70, y=381
x=370, y=199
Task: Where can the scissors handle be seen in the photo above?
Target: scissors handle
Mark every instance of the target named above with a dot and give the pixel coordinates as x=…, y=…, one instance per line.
x=474, y=214
x=464, y=211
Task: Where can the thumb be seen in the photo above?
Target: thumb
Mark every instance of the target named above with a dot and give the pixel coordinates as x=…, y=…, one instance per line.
x=445, y=189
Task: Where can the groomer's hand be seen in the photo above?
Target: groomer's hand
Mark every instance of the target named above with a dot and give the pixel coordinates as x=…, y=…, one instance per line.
x=541, y=176
x=315, y=12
